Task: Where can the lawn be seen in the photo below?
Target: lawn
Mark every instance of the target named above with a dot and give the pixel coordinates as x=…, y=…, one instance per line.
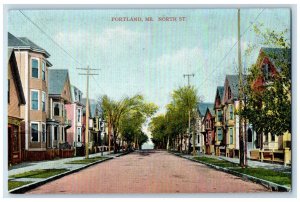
x=43, y=173
x=269, y=175
x=261, y=173
x=86, y=161
x=217, y=162
x=15, y=184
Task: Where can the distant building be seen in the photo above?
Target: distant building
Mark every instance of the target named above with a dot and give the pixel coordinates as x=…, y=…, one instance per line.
x=74, y=113
x=57, y=120
x=209, y=134
x=200, y=126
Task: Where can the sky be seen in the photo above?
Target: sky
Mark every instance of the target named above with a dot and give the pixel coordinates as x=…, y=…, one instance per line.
x=146, y=57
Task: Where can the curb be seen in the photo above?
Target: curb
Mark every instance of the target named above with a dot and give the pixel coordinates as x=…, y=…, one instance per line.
x=27, y=187
x=122, y=154
x=271, y=185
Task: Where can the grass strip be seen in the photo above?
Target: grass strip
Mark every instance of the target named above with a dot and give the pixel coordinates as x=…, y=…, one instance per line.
x=42, y=173
x=217, y=162
x=266, y=174
x=15, y=184
x=261, y=173
x=86, y=161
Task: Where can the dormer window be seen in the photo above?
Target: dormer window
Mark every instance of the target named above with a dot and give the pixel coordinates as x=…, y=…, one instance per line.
x=75, y=94
x=229, y=93
x=266, y=71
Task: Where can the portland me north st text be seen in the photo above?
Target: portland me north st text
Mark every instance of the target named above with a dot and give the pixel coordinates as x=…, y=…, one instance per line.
x=149, y=19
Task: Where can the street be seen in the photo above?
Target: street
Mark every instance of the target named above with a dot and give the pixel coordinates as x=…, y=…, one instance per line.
x=149, y=171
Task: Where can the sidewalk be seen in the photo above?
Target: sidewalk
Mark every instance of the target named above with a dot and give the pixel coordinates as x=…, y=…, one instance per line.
x=251, y=163
x=53, y=164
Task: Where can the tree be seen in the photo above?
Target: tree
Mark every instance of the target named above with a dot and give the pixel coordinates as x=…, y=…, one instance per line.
x=171, y=126
x=186, y=98
x=115, y=111
x=269, y=109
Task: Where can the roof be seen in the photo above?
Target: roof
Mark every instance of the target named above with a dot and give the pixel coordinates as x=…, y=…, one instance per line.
x=57, y=79
x=16, y=76
x=220, y=89
x=202, y=107
x=25, y=43
x=73, y=88
x=233, y=82
x=93, y=105
x=278, y=55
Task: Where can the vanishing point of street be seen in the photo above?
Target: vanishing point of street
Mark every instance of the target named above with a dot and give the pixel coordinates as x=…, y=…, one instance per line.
x=148, y=171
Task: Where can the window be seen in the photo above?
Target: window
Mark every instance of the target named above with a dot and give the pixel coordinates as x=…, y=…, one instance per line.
x=43, y=101
x=231, y=112
x=198, y=137
x=249, y=132
x=220, y=134
x=266, y=71
x=43, y=132
x=62, y=110
x=55, y=132
x=35, y=100
x=272, y=137
x=44, y=71
x=34, y=132
x=78, y=134
x=229, y=92
x=231, y=135
x=63, y=138
x=79, y=99
x=220, y=117
x=56, y=109
x=35, y=68
x=16, y=138
x=75, y=94
x=8, y=92
x=79, y=115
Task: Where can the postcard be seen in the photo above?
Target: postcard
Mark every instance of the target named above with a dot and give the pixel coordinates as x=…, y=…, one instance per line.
x=148, y=101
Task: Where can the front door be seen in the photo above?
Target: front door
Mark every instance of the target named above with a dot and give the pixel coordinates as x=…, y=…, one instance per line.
x=9, y=130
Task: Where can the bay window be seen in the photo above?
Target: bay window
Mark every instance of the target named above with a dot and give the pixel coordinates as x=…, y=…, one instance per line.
x=34, y=100
x=34, y=68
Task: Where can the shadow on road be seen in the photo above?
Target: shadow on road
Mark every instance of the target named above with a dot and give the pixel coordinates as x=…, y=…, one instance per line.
x=146, y=152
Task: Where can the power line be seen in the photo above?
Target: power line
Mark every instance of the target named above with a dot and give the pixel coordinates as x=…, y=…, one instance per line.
x=231, y=48
x=57, y=44
x=49, y=37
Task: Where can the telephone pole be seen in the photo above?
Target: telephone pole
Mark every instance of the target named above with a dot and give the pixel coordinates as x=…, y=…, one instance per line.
x=188, y=76
x=87, y=112
x=241, y=135
x=189, y=129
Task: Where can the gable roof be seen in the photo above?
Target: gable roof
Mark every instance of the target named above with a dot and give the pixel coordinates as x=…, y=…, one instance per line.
x=202, y=107
x=93, y=107
x=277, y=55
x=25, y=43
x=220, y=90
x=57, y=79
x=16, y=76
x=233, y=82
x=73, y=88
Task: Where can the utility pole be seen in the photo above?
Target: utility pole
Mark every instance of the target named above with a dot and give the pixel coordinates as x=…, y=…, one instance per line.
x=87, y=112
x=189, y=130
x=188, y=76
x=241, y=135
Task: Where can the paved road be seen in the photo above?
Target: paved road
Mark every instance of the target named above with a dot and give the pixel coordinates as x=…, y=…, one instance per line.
x=148, y=172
